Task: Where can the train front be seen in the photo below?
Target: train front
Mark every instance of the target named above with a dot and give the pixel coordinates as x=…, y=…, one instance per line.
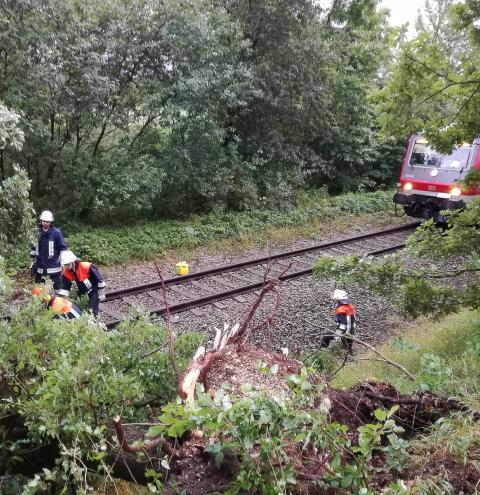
x=431, y=182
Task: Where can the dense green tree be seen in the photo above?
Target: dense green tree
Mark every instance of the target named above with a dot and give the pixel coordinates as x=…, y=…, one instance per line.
x=140, y=107
x=16, y=212
x=435, y=80
x=11, y=135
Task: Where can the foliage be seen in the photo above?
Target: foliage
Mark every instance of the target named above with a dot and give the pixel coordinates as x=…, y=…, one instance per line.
x=66, y=379
x=264, y=432
x=443, y=355
x=16, y=211
x=159, y=108
x=11, y=135
x=17, y=216
x=5, y=285
x=433, y=84
x=113, y=245
x=422, y=289
x=454, y=437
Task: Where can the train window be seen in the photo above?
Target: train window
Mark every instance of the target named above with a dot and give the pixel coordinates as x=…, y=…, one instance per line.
x=424, y=156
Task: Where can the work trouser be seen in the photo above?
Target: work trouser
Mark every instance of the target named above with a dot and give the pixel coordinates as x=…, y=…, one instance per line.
x=327, y=339
x=93, y=301
x=56, y=278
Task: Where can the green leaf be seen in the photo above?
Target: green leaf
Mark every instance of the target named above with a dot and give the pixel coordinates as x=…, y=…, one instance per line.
x=380, y=414
x=346, y=481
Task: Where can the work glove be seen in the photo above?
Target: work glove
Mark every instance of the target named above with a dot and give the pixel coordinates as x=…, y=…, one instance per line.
x=33, y=269
x=62, y=292
x=101, y=295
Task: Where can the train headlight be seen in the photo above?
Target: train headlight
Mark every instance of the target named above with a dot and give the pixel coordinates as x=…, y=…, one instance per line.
x=455, y=191
x=407, y=186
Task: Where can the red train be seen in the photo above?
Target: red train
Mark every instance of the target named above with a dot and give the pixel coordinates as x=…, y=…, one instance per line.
x=429, y=181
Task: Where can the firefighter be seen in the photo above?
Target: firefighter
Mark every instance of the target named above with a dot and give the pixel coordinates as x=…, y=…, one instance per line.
x=87, y=277
x=45, y=254
x=61, y=306
x=345, y=314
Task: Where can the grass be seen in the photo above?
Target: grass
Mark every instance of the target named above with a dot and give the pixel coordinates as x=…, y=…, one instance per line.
x=120, y=487
x=443, y=355
x=228, y=230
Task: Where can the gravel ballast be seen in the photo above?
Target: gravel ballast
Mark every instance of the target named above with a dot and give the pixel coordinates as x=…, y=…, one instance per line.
x=306, y=309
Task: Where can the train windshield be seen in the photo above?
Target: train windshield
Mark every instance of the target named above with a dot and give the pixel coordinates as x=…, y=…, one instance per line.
x=424, y=156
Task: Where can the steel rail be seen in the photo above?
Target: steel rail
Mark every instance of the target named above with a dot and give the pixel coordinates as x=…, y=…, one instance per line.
x=138, y=289
x=201, y=301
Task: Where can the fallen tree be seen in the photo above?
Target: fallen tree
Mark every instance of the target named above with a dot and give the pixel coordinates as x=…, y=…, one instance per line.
x=295, y=413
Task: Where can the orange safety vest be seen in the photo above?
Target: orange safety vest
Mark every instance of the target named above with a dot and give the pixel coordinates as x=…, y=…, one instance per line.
x=81, y=274
x=64, y=307
x=345, y=309
x=345, y=317
x=61, y=305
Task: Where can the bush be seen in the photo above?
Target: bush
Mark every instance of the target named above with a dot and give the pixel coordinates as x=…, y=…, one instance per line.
x=67, y=379
x=17, y=216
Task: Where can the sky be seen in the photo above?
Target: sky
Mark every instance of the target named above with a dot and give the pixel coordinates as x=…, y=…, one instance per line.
x=402, y=11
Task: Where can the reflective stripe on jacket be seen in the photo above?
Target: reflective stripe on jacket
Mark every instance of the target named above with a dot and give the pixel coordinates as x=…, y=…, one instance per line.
x=47, y=251
x=86, y=275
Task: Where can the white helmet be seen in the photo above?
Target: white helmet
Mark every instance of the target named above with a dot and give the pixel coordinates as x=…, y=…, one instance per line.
x=339, y=295
x=67, y=257
x=46, y=216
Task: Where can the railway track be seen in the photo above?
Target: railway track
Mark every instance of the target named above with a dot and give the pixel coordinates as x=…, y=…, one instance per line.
x=185, y=293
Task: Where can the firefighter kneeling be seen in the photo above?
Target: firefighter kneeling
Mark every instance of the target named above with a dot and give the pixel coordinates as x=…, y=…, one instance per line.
x=61, y=306
x=345, y=319
x=87, y=277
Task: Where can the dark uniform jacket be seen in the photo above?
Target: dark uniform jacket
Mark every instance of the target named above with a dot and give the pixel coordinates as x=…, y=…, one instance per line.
x=46, y=253
x=86, y=275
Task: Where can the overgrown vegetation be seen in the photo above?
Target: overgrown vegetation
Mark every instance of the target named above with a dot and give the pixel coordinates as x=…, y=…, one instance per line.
x=16, y=209
x=113, y=245
x=217, y=105
x=64, y=380
x=263, y=433
x=445, y=357
x=61, y=381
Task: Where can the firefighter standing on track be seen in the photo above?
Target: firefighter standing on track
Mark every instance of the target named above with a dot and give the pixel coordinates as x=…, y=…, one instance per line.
x=87, y=277
x=46, y=253
x=345, y=315
x=61, y=306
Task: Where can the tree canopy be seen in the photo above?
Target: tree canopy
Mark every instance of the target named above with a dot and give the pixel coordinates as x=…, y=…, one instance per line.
x=161, y=107
x=434, y=81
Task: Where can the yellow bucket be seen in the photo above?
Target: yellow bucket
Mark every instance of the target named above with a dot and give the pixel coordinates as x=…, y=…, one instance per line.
x=182, y=268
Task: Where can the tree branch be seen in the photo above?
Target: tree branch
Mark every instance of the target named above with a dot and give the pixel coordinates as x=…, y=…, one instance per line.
x=134, y=449
x=459, y=83
x=168, y=320
x=368, y=346
x=425, y=66
x=464, y=105
x=123, y=442
x=447, y=275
